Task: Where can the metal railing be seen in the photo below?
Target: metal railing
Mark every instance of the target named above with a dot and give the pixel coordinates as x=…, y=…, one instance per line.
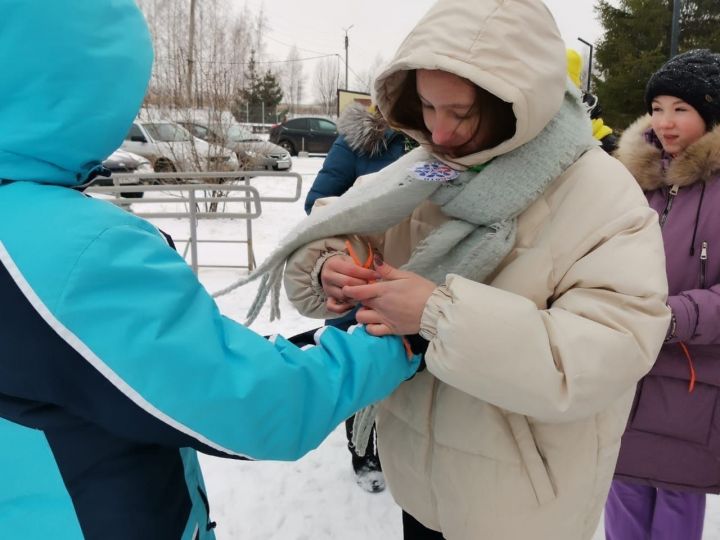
x=193, y=189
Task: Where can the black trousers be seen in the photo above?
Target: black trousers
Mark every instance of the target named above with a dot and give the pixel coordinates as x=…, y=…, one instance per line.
x=371, y=450
x=414, y=530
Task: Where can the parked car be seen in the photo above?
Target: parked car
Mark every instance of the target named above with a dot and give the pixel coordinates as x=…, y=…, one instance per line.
x=121, y=161
x=170, y=147
x=309, y=134
x=253, y=152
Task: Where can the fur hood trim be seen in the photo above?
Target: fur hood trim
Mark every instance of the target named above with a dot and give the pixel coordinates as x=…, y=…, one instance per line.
x=365, y=132
x=699, y=162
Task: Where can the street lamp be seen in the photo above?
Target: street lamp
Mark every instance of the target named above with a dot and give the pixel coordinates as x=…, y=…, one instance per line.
x=347, y=42
x=675, y=34
x=589, y=71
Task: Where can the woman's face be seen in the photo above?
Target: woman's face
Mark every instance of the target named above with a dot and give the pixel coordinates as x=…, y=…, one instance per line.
x=676, y=123
x=450, y=113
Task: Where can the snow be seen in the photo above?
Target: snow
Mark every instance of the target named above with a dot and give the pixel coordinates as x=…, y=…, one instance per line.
x=315, y=498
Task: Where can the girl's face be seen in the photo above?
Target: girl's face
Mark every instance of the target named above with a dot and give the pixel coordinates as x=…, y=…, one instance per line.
x=451, y=114
x=676, y=123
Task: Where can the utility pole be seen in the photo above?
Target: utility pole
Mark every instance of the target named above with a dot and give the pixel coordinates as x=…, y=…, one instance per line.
x=589, y=70
x=191, y=49
x=347, y=43
x=675, y=34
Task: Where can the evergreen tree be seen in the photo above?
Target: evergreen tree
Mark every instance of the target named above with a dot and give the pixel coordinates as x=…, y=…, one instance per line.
x=261, y=94
x=636, y=42
x=271, y=95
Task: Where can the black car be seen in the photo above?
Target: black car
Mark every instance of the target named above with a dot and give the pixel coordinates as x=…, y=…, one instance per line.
x=308, y=134
x=121, y=161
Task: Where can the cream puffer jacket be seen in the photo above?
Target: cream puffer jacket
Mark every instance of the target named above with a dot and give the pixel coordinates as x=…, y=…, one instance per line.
x=513, y=430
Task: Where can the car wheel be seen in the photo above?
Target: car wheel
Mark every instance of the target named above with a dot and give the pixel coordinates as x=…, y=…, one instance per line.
x=288, y=146
x=163, y=165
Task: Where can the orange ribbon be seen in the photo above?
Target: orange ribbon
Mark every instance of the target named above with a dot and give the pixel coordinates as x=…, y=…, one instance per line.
x=369, y=264
x=691, y=385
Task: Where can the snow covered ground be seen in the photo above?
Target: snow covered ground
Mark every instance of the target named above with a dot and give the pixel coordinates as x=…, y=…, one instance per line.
x=315, y=498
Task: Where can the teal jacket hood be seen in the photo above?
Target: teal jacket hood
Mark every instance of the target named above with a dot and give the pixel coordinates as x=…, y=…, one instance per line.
x=74, y=76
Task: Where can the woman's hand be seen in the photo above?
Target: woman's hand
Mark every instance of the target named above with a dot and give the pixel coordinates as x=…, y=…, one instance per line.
x=393, y=305
x=340, y=271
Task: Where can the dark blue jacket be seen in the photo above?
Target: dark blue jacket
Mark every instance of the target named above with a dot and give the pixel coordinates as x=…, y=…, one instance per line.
x=359, y=149
x=116, y=364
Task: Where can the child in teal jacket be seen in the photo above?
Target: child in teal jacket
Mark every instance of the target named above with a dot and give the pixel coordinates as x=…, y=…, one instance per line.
x=116, y=364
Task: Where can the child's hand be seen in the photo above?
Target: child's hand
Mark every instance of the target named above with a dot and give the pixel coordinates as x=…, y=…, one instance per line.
x=336, y=273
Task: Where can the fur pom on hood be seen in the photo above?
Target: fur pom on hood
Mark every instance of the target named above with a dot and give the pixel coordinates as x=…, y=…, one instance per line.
x=365, y=132
x=699, y=162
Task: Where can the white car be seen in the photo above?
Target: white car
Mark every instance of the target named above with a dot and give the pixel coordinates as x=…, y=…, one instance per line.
x=121, y=161
x=170, y=147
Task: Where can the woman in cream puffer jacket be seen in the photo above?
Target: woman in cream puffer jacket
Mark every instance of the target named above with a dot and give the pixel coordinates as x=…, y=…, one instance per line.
x=513, y=430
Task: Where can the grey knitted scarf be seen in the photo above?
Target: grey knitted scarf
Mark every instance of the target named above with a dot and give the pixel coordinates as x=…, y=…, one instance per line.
x=483, y=206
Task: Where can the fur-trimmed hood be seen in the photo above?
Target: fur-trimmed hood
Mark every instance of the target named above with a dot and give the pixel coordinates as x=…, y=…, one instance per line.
x=366, y=133
x=700, y=162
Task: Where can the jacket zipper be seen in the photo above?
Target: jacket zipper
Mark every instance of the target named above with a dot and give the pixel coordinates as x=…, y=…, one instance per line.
x=668, y=205
x=703, y=263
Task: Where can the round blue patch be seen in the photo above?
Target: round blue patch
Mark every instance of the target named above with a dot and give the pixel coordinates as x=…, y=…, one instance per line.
x=433, y=171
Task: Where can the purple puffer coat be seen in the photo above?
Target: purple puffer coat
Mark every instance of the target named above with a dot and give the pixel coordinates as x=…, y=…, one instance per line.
x=673, y=434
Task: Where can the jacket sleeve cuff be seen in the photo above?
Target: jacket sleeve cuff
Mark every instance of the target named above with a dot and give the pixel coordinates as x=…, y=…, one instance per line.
x=433, y=308
x=685, y=316
x=315, y=282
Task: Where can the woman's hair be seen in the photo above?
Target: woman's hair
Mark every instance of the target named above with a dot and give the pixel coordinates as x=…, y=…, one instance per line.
x=406, y=112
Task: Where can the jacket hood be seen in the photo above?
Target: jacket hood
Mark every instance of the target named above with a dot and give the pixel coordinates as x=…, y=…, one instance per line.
x=74, y=77
x=511, y=48
x=699, y=162
x=366, y=133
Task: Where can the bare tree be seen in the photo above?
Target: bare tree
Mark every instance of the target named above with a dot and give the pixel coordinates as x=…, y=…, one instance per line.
x=260, y=25
x=222, y=43
x=326, y=83
x=365, y=79
x=198, y=85
x=170, y=54
x=293, y=80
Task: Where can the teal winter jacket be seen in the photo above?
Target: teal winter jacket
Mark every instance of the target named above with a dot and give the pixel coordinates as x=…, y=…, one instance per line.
x=116, y=365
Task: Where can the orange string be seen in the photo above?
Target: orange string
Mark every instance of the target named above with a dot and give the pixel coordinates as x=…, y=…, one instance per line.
x=408, y=348
x=691, y=385
x=351, y=251
x=369, y=264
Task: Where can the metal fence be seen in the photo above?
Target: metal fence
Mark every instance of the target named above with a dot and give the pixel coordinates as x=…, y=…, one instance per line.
x=203, y=196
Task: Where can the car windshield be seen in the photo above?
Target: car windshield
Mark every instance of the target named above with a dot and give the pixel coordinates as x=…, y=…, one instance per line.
x=238, y=134
x=167, y=132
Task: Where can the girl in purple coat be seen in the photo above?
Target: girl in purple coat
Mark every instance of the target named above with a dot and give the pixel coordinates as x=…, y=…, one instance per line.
x=670, y=453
